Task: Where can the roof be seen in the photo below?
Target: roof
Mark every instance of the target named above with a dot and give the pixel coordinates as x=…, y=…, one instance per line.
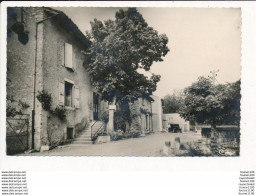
x=68, y=24
x=154, y=97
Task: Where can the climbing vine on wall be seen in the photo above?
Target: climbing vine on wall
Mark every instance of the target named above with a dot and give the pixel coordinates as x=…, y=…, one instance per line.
x=60, y=111
x=45, y=99
x=14, y=107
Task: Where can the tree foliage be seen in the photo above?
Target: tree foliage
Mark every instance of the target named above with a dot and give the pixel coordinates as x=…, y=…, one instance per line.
x=212, y=104
x=232, y=103
x=123, y=115
x=119, y=48
x=173, y=103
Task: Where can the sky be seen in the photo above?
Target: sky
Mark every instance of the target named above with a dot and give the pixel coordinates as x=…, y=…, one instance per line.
x=200, y=40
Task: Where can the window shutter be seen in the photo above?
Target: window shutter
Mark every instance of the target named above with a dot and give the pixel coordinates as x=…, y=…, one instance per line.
x=68, y=55
x=76, y=97
x=61, y=93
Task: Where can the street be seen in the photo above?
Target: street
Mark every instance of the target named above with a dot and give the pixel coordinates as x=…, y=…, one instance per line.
x=150, y=145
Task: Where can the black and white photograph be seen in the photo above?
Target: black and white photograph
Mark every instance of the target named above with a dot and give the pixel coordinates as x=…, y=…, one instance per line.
x=127, y=97
x=110, y=81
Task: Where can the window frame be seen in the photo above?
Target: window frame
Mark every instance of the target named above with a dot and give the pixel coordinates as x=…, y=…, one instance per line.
x=71, y=66
x=72, y=94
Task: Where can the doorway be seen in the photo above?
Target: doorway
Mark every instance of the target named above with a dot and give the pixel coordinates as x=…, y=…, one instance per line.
x=95, y=106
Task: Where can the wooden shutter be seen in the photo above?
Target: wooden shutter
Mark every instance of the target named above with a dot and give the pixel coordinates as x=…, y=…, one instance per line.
x=76, y=97
x=68, y=56
x=61, y=93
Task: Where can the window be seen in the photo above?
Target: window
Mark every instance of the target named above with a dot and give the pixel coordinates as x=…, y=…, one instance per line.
x=162, y=102
x=69, y=94
x=69, y=133
x=65, y=56
x=95, y=106
x=68, y=60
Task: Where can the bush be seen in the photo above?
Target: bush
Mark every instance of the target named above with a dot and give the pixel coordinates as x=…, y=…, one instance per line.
x=113, y=135
x=80, y=127
x=134, y=133
x=46, y=100
x=119, y=134
x=60, y=111
x=64, y=142
x=14, y=107
x=24, y=105
x=11, y=111
x=198, y=149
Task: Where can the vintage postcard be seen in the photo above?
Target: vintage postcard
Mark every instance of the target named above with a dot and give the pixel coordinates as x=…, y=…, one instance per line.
x=103, y=81
x=129, y=86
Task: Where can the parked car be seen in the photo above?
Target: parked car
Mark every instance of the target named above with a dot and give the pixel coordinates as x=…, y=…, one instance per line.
x=174, y=128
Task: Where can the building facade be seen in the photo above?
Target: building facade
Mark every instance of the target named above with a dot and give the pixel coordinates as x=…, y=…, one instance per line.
x=45, y=56
x=46, y=76
x=175, y=118
x=141, y=112
x=157, y=112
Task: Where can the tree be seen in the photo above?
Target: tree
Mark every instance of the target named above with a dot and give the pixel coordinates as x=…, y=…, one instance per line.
x=212, y=104
x=232, y=103
x=173, y=103
x=119, y=48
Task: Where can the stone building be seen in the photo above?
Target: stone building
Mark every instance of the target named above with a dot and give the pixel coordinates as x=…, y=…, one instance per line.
x=47, y=80
x=141, y=110
x=157, y=113
x=175, y=118
x=145, y=115
x=45, y=56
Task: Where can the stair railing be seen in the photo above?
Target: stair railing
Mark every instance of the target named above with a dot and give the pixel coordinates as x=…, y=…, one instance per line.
x=93, y=135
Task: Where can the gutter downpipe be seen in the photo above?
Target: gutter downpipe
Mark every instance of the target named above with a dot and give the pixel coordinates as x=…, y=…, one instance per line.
x=34, y=93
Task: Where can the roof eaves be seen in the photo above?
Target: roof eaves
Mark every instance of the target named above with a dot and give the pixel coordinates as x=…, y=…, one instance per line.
x=67, y=23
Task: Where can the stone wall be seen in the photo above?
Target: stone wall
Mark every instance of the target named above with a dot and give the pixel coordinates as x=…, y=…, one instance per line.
x=49, y=73
x=55, y=72
x=223, y=134
x=21, y=59
x=139, y=109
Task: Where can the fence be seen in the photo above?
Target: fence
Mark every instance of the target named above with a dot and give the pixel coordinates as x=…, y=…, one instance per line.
x=17, y=134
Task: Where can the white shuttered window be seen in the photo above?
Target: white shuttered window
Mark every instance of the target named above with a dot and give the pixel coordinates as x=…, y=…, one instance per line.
x=69, y=94
x=68, y=56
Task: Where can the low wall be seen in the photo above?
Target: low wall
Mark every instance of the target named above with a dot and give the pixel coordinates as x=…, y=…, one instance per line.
x=223, y=134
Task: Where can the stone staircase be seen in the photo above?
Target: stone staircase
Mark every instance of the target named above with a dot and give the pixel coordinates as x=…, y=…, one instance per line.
x=85, y=137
